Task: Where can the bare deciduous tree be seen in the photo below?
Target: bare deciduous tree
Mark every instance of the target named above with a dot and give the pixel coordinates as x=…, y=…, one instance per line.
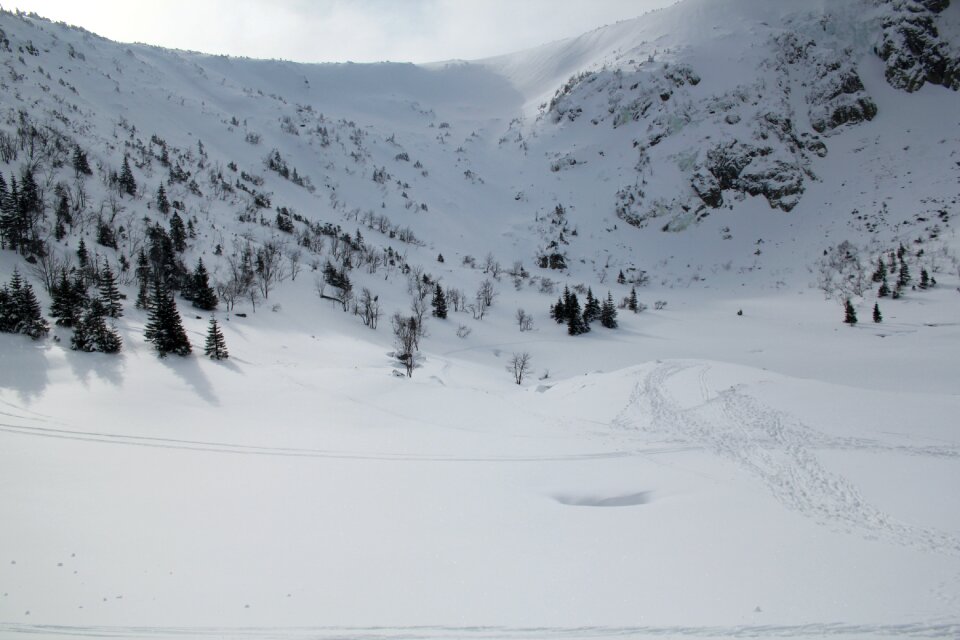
x=520, y=366
x=49, y=265
x=405, y=338
x=294, y=257
x=368, y=308
x=486, y=293
x=270, y=268
x=418, y=306
x=524, y=320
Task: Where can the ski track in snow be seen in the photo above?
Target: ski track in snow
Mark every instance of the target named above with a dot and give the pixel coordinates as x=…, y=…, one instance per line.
x=56, y=430
x=812, y=630
x=778, y=450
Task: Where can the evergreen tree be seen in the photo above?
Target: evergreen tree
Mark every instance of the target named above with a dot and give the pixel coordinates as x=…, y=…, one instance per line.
x=881, y=271
x=23, y=314
x=92, y=332
x=621, y=279
x=64, y=216
x=164, y=326
x=81, y=167
x=162, y=203
x=924, y=279
x=163, y=258
x=575, y=323
x=178, y=233
x=850, y=314
x=30, y=209
x=884, y=289
x=11, y=226
x=202, y=294
x=904, y=277
x=105, y=235
x=67, y=300
x=591, y=309
x=7, y=313
x=83, y=257
x=608, y=313
x=215, y=347
x=143, y=281
x=877, y=316
x=439, y=302
x=558, y=311
x=127, y=182
x=4, y=206
x=632, y=303
x=109, y=293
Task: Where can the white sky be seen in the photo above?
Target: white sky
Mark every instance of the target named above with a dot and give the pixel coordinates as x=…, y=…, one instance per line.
x=341, y=30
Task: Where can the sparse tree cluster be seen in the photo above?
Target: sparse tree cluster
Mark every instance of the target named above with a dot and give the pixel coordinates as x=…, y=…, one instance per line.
x=567, y=311
x=20, y=310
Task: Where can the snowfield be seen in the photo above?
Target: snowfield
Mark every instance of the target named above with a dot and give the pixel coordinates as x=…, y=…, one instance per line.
x=735, y=462
x=299, y=490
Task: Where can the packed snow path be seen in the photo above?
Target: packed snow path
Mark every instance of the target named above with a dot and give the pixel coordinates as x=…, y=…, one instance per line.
x=775, y=448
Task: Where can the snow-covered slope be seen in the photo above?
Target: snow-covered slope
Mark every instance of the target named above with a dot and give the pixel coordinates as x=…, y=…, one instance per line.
x=730, y=461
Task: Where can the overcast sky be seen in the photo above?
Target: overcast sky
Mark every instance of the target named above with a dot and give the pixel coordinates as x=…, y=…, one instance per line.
x=341, y=30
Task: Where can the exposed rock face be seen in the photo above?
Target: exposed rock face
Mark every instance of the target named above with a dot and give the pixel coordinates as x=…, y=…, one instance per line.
x=762, y=137
x=749, y=168
x=838, y=97
x=913, y=49
x=835, y=92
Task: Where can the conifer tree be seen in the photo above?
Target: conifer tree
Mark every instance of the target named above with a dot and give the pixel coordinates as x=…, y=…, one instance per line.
x=92, y=332
x=621, y=279
x=105, y=235
x=11, y=226
x=881, y=272
x=143, y=281
x=575, y=323
x=67, y=300
x=215, y=347
x=178, y=233
x=4, y=199
x=591, y=309
x=202, y=294
x=23, y=314
x=924, y=279
x=30, y=209
x=81, y=167
x=608, y=313
x=904, y=277
x=163, y=204
x=109, y=294
x=884, y=289
x=850, y=314
x=7, y=314
x=558, y=311
x=127, y=181
x=877, y=316
x=632, y=303
x=164, y=326
x=64, y=216
x=439, y=302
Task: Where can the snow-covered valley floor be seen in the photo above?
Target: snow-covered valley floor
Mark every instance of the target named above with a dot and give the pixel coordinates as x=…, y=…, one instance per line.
x=706, y=482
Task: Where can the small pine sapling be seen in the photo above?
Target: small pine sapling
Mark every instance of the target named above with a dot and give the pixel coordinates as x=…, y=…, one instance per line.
x=850, y=314
x=215, y=347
